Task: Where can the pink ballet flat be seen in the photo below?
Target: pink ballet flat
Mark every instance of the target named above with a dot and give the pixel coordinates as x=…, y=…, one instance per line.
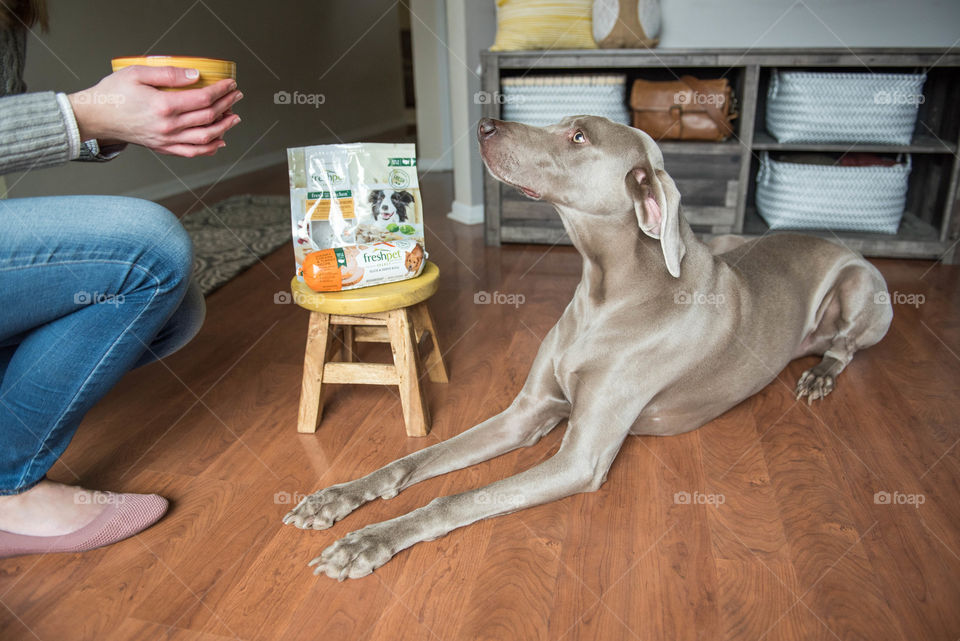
x=124, y=516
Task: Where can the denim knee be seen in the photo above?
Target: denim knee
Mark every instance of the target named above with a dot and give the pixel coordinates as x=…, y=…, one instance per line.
x=167, y=252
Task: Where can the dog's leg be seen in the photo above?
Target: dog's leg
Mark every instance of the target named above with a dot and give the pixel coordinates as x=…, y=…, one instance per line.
x=589, y=446
x=855, y=314
x=536, y=410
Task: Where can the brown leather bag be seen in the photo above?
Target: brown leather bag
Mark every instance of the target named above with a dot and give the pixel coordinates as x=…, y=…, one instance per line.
x=685, y=109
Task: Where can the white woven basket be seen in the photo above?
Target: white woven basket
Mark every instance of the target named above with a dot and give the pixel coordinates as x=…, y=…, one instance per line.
x=807, y=106
x=800, y=196
x=545, y=100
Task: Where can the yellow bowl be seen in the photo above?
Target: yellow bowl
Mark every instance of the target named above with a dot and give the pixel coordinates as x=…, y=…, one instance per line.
x=211, y=69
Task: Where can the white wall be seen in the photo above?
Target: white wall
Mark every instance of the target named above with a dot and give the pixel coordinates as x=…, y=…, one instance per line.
x=428, y=22
x=470, y=28
x=810, y=23
x=345, y=49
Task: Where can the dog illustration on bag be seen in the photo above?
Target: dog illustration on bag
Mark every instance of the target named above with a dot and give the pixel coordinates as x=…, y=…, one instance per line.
x=414, y=259
x=389, y=205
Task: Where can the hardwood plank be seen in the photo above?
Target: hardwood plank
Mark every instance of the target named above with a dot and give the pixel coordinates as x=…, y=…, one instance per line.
x=825, y=545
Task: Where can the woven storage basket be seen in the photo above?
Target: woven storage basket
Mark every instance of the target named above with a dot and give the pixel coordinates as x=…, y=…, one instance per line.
x=545, y=100
x=800, y=196
x=843, y=107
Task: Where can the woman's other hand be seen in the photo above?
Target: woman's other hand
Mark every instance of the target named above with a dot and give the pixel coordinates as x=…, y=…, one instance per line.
x=127, y=106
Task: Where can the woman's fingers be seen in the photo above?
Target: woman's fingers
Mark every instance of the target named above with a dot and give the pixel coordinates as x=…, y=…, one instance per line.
x=191, y=151
x=162, y=76
x=204, y=135
x=188, y=100
x=207, y=115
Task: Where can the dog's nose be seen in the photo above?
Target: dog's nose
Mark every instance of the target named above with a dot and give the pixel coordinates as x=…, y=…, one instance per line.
x=487, y=127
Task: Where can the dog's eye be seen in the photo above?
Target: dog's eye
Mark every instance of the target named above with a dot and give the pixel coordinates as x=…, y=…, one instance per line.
x=579, y=138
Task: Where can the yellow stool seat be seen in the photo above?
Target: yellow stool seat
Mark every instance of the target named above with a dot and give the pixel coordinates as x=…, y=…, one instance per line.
x=366, y=300
x=394, y=313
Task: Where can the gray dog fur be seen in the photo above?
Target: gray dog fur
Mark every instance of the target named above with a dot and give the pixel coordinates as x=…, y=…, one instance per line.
x=636, y=351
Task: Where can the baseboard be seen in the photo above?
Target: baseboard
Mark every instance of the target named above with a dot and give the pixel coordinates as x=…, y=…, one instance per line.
x=466, y=214
x=207, y=177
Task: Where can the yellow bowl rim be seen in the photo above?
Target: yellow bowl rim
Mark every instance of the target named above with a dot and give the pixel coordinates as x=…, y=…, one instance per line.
x=132, y=60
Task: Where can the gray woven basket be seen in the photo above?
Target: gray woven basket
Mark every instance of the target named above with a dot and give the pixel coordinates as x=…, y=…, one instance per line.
x=800, y=196
x=545, y=100
x=807, y=106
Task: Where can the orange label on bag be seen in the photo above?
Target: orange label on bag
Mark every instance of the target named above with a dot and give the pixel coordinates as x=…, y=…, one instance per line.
x=321, y=270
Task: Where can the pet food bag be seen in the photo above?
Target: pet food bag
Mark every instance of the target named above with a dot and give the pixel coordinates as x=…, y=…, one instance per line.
x=358, y=204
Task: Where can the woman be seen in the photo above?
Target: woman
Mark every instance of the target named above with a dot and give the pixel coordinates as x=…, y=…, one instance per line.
x=90, y=286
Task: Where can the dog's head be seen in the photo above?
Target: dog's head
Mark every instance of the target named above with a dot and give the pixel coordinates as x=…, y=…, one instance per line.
x=590, y=165
x=385, y=204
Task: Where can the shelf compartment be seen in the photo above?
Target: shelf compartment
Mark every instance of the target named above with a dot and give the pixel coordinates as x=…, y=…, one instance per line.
x=679, y=147
x=922, y=144
x=914, y=239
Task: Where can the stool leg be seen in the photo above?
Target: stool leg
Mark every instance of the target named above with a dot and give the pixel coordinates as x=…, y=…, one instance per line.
x=434, y=362
x=347, y=350
x=311, y=390
x=407, y=360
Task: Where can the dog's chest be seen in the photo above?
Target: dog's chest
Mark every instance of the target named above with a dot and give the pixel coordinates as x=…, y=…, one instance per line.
x=592, y=355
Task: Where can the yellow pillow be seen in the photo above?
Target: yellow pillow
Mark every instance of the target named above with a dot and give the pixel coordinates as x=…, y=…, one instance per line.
x=544, y=24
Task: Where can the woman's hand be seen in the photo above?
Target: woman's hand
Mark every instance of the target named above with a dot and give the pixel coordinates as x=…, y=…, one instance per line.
x=126, y=106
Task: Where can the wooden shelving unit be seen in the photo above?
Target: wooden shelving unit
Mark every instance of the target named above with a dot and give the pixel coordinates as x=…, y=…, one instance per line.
x=716, y=180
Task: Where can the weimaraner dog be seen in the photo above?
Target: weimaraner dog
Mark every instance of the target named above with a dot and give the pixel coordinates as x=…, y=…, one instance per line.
x=663, y=334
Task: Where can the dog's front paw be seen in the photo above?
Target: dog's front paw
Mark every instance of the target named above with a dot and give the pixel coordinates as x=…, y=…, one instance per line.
x=322, y=509
x=814, y=385
x=355, y=555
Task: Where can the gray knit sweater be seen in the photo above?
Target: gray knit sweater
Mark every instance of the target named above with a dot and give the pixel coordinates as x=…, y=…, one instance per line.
x=36, y=129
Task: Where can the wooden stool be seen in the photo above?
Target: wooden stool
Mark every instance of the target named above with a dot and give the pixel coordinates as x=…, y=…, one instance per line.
x=394, y=313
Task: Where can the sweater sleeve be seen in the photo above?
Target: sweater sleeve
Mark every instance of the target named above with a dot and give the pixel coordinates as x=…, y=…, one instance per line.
x=39, y=130
x=33, y=132
x=91, y=151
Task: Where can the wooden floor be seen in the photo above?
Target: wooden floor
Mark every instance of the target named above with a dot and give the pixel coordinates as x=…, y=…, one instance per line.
x=765, y=524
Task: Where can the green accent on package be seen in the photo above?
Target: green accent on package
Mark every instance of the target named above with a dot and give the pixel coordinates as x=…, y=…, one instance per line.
x=325, y=195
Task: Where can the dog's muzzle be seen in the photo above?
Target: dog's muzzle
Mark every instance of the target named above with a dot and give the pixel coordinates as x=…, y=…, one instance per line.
x=486, y=128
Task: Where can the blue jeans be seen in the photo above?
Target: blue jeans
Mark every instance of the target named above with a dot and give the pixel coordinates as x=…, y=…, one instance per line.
x=90, y=287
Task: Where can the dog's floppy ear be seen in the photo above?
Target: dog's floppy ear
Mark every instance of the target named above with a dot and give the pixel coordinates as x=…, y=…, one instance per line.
x=405, y=197
x=657, y=204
